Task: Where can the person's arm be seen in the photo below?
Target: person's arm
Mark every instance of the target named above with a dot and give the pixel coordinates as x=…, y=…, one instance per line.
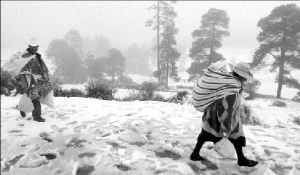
x=45, y=68
x=227, y=116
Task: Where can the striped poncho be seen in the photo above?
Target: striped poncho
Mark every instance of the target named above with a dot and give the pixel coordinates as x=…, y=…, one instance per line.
x=213, y=85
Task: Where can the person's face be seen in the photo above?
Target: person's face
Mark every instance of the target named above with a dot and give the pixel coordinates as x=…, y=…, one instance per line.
x=243, y=80
x=33, y=49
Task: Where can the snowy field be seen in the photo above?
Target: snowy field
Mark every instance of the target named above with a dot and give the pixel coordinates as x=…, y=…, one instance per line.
x=91, y=137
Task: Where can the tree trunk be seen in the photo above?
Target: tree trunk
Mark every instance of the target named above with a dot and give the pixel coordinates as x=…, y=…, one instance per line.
x=158, y=67
x=211, y=52
x=167, y=78
x=210, y=55
x=281, y=62
x=280, y=75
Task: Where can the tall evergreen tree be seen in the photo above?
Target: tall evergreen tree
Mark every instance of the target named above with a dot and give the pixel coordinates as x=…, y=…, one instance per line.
x=75, y=41
x=207, y=39
x=94, y=67
x=280, y=39
x=68, y=64
x=167, y=55
x=115, y=64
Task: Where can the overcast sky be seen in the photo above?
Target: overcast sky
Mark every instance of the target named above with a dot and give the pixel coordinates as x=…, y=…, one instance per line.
x=123, y=22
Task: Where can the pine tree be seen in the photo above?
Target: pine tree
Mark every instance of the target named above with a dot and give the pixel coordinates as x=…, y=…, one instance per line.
x=207, y=39
x=94, y=67
x=75, y=41
x=114, y=64
x=68, y=64
x=280, y=39
x=167, y=55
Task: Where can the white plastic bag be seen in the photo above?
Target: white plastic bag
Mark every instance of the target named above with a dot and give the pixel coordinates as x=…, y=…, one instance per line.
x=25, y=104
x=225, y=148
x=48, y=99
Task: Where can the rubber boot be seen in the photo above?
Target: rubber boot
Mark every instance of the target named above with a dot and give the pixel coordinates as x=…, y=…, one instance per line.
x=242, y=160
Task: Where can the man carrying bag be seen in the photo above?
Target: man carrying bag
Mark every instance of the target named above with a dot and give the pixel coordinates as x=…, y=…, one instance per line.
x=33, y=75
x=218, y=95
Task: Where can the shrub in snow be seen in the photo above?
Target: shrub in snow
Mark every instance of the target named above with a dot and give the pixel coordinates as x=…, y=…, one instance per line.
x=99, y=90
x=296, y=98
x=297, y=120
x=9, y=84
x=251, y=89
x=68, y=93
x=133, y=97
x=126, y=82
x=149, y=88
x=158, y=97
x=56, y=82
x=180, y=97
x=248, y=116
x=57, y=86
x=279, y=103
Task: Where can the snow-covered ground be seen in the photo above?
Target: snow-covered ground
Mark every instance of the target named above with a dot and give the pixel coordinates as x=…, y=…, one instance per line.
x=91, y=137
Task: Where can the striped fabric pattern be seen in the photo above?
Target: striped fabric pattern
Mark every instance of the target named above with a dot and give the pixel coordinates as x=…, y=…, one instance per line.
x=213, y=85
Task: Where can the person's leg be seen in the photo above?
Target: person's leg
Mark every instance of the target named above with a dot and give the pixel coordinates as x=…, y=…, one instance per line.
x=202, y=138
x=238, y=144
x=36, y=113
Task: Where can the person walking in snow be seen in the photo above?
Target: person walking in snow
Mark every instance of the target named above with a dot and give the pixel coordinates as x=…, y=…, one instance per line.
x=34, y=78
x=218, y=94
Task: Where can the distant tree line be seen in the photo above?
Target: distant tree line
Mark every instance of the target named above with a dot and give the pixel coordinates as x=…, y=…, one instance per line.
x=81, y=59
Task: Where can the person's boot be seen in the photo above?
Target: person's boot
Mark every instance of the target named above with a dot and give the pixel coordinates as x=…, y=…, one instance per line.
x=22, y=113
x=36, y=113
x=38, y=119
x=195, y=156
x=242, y=160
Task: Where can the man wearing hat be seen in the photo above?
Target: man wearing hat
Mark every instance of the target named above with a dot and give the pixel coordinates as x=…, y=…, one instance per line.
x=218, y=95
x=34, y=77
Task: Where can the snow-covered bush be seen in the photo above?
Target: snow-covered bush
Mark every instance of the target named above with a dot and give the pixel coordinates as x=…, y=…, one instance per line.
x=179, y=97
x=149, y=88
x=9, y=85
x=279, y=103
x=57, y=86
x=68, y=93
x=296, y=98
x=126, y=82
x=158, y=97
x=296, y=120
x=248, y=116
x=133, y=97
x=251, y=89
x=99, y=90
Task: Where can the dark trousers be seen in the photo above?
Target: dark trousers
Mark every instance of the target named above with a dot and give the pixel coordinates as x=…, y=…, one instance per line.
x=205, y=136
x=36, y=113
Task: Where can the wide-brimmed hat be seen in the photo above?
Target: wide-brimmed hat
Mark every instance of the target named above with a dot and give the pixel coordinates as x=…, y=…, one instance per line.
x=33, y=42
x=243, y=69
